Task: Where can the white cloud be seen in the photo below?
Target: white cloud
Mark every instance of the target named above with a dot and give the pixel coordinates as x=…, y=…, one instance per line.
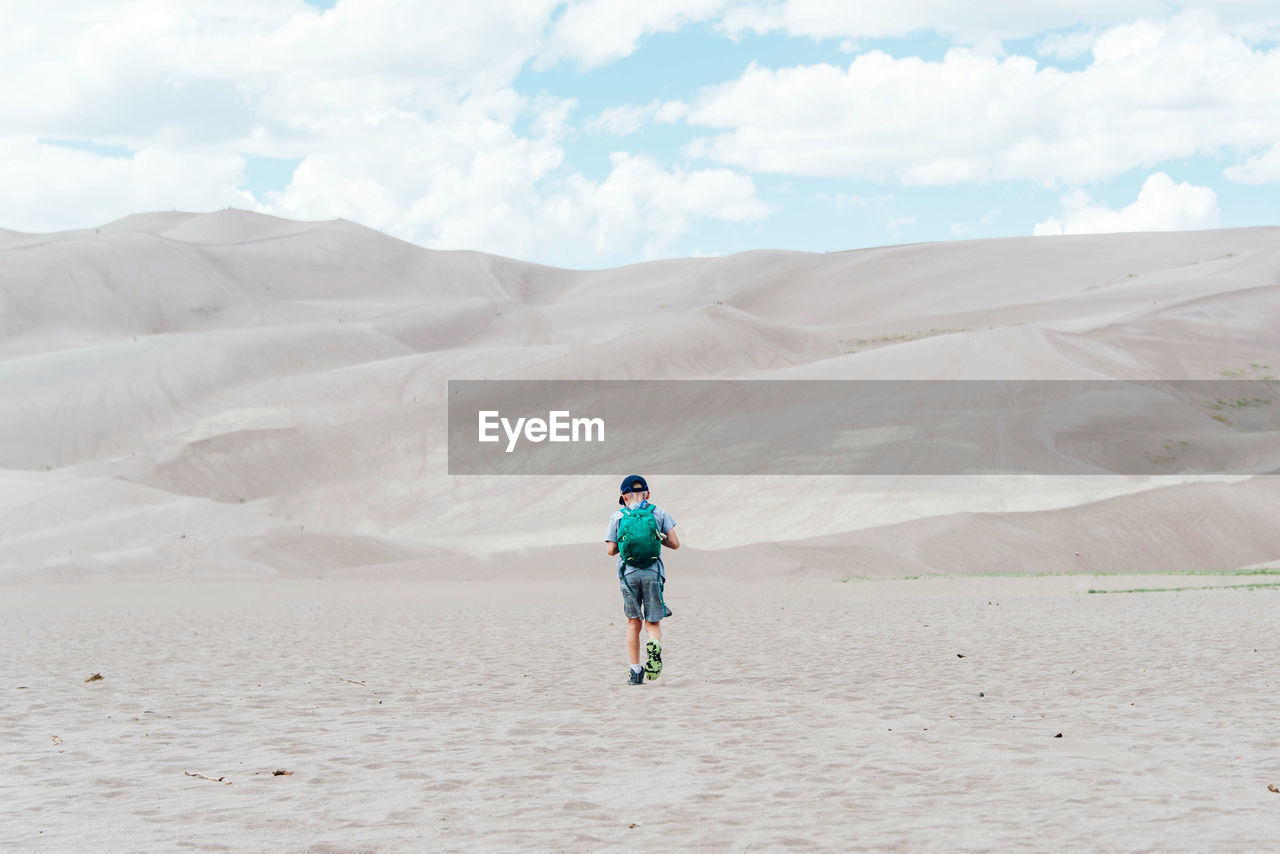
x=620, y=121
x=671, y=111
x=55, y=187
x=972, y=227
x=1070, y=45
x=483, y=186
x=402, y=114
x=1154, y=92
x=626, y=119
x=509, y=199
x=1262, y=169
x=642, y=200
x=1161, y=205
x=596, y=32
x=983, y=24
x=133, y=70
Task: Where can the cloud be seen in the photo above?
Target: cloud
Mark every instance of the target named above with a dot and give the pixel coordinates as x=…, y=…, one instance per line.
x=54, y=187
x=1072, y=45
x=136, y=71
x=620, y=121
x=1153, y=92
x=1161, y=205
x=671, y=111
x=849, y=201
x=596, y=32
x=405, y=114
x=482, y=185
x=1262, y=169
x=984, y=24
x=970, y=228
x=640, y=200
x=593, y=33
x=401, y=114
x=626, y=119
x=508, y=196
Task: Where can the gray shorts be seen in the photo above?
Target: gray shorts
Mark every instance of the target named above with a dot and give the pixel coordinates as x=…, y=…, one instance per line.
x=642, y=595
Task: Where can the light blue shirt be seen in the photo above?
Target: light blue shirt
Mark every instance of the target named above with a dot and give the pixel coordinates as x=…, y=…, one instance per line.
x=665, y=524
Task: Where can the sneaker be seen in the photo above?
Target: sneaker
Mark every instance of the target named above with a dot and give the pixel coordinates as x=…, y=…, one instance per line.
x=653, y=667
x=636, y=677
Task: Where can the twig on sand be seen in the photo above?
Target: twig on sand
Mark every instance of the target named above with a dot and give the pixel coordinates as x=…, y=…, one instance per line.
x=281, y=772
x=354, y=682
x=200, y=776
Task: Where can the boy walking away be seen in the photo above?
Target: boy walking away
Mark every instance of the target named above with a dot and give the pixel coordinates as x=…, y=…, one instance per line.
x=636, y=535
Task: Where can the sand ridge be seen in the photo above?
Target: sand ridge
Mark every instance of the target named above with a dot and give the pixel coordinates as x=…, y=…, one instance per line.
x=192, y=383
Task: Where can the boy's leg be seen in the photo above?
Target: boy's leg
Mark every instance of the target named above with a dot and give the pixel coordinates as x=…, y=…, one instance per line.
x=653, y=651
x=653, y=606
x=633, y=639
x=653, y=613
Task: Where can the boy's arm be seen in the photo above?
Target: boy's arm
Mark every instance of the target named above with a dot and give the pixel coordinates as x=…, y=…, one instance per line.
x=669, y=537
x=611, y=538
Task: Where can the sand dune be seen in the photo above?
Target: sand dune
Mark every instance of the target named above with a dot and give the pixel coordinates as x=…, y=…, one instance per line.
x=285, y=374
x=232, y=428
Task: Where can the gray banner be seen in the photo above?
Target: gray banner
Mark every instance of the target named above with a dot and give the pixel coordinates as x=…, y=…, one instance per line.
x=862, y=427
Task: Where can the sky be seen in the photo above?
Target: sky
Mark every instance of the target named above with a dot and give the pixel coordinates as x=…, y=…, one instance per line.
x=596, y=133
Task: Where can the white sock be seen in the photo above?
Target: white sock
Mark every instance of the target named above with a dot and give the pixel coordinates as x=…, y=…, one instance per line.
x=637, y=668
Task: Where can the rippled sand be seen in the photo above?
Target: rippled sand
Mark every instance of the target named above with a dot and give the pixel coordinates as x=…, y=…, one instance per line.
x=903, y=715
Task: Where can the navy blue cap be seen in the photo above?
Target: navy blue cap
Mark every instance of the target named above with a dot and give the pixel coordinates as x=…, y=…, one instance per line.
x=633, y=483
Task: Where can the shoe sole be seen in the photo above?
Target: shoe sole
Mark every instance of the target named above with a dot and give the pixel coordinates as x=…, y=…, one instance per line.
x=653, y=667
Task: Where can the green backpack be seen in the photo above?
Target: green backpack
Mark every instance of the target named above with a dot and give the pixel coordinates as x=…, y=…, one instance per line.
x=638, y=541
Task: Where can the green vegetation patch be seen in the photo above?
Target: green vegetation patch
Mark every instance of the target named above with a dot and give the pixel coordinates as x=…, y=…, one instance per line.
x=1255, y=371
x=899, y=337
x=1240, y=402
x=1224, y=573
x=1270, y=585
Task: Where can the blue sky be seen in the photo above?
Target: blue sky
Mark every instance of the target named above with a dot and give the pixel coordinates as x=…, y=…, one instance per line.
x=601, y=132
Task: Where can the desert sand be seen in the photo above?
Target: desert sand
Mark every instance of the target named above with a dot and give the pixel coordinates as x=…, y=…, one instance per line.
x=489, y=715
x=224, y=488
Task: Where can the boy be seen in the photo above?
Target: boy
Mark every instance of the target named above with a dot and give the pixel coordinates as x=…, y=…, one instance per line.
x=640, y=571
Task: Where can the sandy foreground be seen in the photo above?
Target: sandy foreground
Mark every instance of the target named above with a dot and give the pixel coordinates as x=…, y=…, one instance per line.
x=906, y=715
